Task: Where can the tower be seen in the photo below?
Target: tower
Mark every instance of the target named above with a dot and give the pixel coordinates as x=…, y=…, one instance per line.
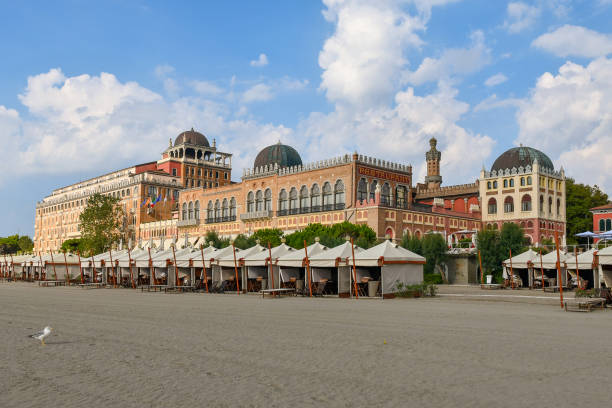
x=433, y=179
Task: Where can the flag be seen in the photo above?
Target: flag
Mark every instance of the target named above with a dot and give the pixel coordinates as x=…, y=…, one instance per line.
x=156, y=200
x=144, y=202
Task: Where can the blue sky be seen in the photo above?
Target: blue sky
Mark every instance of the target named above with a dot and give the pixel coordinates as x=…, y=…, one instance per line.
x=89, y=87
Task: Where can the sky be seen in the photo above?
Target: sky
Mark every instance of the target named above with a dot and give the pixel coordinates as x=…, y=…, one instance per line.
x=91, y=87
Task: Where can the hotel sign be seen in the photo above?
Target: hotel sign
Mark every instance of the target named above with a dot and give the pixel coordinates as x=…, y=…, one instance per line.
x=385, y=175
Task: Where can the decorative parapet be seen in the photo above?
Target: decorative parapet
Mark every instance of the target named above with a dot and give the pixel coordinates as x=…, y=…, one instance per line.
x=188, y=223
x=264, y=171
x=521, y=170
x=458, y=189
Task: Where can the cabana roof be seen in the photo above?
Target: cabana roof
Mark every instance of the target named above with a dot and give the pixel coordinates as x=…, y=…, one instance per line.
x=193, y=254
x=261, y=258
x=522, y=260
x=387, y=253
x=297, y=258
x=605, y=256
x=549, y=261
x=333, y=257
x=228, y=259
x=585, y=260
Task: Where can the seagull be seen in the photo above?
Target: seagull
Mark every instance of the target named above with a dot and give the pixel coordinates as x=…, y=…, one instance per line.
x=41, y=335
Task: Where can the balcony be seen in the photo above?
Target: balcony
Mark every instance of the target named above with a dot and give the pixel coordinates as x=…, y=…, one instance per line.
x=220, y=219
x=256, y=215
x=313, y=209
x=188, y=223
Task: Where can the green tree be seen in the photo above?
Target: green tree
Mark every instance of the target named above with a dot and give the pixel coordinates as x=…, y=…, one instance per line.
x=101, y=223
x=495, y=246
x=25, y=243
x=332, y=236
x=213, y=237
x=579, y=199
x=243, y=242
x=434, y=250
x=9, y=245
x=72, y=245
x=268, y=235
x=412, y=243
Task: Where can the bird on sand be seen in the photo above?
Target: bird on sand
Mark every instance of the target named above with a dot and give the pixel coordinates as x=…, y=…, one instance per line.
x=42, y=335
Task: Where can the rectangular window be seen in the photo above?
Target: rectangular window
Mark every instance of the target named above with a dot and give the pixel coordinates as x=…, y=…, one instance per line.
x=216, y=174
x=225, y=176
x=174, y=172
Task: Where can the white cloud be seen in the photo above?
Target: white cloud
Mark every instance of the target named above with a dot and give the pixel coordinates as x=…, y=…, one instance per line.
x=575, y=41
x=206, y=88
x=493, y=102
x=496, y=79
x=162, y=71
x=261, y=61
x=520, y=16
x=568, y=116
x=257, y=93
x=452, y=62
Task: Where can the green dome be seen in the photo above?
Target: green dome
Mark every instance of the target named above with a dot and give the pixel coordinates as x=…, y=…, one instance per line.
x=283, y=155
x=521, y=156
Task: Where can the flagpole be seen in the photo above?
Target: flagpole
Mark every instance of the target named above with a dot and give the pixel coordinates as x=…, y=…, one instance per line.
x=236, y=268
x=80, y=266
x=559, y=268
x=53, y=263
x=271, y=267
x=66, y=265
x=204, y=268
x=308, y=268
x=354, y=270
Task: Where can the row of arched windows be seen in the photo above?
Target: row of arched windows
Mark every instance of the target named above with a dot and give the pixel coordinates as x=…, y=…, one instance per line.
x=313, y=199
x=605, y=225
x=401, y=193
x=523, y=181
x=525, y=204
x=219, y=211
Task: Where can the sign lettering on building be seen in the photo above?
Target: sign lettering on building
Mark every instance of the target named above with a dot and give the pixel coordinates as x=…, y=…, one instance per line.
x=381, y=174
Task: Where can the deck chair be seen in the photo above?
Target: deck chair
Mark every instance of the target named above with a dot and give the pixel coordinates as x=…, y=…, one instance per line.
x=320, y=289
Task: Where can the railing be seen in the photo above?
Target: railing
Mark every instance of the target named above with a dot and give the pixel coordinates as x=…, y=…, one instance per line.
x=188, y=223
x=221, y=219
x=313, y=209
x=256, y=215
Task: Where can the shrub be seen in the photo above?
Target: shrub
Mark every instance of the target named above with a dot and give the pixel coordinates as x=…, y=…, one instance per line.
x=432, y=278
x=413, y=291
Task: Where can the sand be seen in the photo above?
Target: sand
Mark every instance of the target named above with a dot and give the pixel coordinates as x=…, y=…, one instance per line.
x=121, y=348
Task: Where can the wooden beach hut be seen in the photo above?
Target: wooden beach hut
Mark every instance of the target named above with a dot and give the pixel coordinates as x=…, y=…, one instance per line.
x=383, y=266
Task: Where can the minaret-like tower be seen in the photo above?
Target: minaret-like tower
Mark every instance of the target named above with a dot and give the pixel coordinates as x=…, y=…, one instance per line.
x=433, y=179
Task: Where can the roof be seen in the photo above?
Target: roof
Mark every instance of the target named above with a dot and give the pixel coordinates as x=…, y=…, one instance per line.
x=387, y=251
x=585, y=260
x=328, y=257
x=283, y=155
x=602, y=207
x=260, y=258
x=549, y=261
x=192, y=137
x=296, y=258
x=522, y=156
x=228, y=259
x=520, y=261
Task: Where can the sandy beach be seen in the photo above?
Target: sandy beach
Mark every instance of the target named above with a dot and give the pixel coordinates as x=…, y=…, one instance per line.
x=122, y=348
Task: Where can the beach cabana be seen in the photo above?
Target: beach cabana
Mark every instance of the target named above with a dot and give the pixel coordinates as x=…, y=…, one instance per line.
x=383, y=266
x=292, y=266
x=67, y=267
x=521, y=265
x=605, y=266
x=549, y=264
x=586, y=266
x=333, y=267
x=101, y=267
x=193, y=259
x=225, y=264
x=258, y=265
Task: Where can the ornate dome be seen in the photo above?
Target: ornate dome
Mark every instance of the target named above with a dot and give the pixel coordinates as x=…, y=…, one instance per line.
x=283, y=155
x=192, y=137
x=521, y=156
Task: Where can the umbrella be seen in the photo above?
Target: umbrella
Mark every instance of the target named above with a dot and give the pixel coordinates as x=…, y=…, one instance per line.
x=587, y=235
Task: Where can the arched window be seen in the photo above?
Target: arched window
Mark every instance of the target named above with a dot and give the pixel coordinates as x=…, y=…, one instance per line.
x=259, y=201
x=327, y=196
x=488, y=185
x=528, y=180
x=495, y=184
x=558, y=207
x=373, y=185
x=385, y=195
x=209, y=211
x=217, y=210
x=184, y=211
x=602, y=225
x=400, y=197
x=268, y=200
x=542, y=204
x=250, y=200
x=233, y=209
x=505, y=183
x=522, y=181
x=339, y=194
x=362, y=190
x=293, y=200
x=511, y=182
x=282, y=202
x=225, y=209
x=304, y=199
x=508, y=205
x=550, y=209
x=608, y=224
x=315, y=198
x=191, y=210
x=197, y=210
x=529, y=224
x=492, y=207
x=526, y=203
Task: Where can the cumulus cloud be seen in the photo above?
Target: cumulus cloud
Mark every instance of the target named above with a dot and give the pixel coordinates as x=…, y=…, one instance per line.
x=568, y=116
x=453, y=62
x=496, y=80
x=520, y=16
x=206, y=88
x=493, y=102
x=570, y=40
x=257, y=93
x=261, y=61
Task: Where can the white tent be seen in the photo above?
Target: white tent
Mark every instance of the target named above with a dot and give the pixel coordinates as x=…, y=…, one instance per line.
x=335, y=264
x=523, y=260
x=396, y=264
x=257, y=264
x=605, y=266
x=292, y=265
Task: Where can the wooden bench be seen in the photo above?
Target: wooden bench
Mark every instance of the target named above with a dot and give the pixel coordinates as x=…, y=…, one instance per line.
x=178, y=289
x=278, y=292
x=47, y=283
x=152, y=288
x=585, y=304
x=96, y=285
